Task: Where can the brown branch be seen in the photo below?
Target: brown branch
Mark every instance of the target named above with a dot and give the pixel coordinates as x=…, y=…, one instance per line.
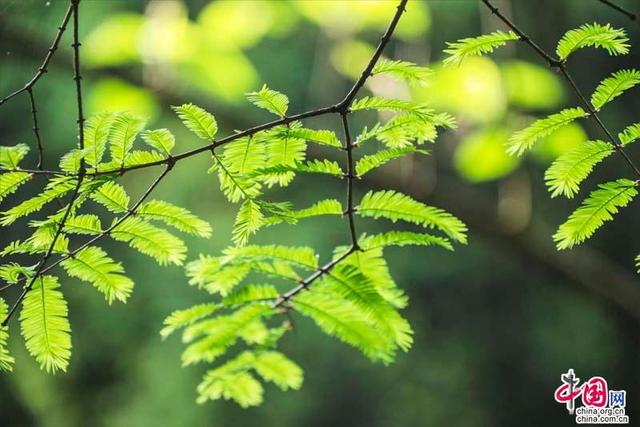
x=620, y=9
x=43, y=68
x=81, y=174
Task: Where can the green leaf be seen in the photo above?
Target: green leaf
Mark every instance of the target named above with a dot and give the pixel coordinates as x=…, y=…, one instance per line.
x=159, y=244
x=397, y=206
x=10, y=181
x=324, y=166
x=10, y=156
x=318, y=136
x=397, y=105
x=214, y=276
x=244, y=155
x=56, y=187
x=323, y=207
x=93, y=265
x=251, y=293
x=13, y=272
x=143, y=157
x=175, y=216
x=403, y=238
x=402, y=70
x=6, y=360
x=569, y=170
x=301, y=256
x=614, y=86
x=523, y=140
x=197, y=120
x=232, y=381
x=593, y=35
x=598, y=208
x=349, y=282
x=182, y=318
x=83, y=224
x=234, y=186
x=477, y=46
x=96, y=133
x=270, y=100
x=160, y=139
x=342, y=319
x=112, y=196
x=248, y=221
x=45, y=326
x=275, y=367
x=70, y=162
x=283, y=151
x=408, y=129
x=123, y=133
x=630, y=134
x=373, y=161
x=213, y=336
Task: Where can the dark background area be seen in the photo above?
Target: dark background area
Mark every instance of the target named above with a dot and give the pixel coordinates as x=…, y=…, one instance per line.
x=496, y=321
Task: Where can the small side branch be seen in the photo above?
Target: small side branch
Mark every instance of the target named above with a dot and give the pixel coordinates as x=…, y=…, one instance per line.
x=36, y=129
x=620, y=9
x=45, y=64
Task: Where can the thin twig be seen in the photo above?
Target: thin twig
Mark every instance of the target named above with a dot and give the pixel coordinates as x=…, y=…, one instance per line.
x=621, y=9
x=43, y=68
x=36, y=129
x=76, y=192
x=350, y=212
x=557, y=63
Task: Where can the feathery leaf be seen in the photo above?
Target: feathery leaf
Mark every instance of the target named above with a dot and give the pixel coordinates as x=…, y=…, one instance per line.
x=214, y=276
x=373, y=161
x=93, y=265
x=160, y=139
x=397, y=206
x=45, y=326
x=598, y=208
x=123, y=133
x=569, y=170
x=523, y=140
x=294, y=255
x=271, y=100
x=477, y=46
x=403, y=70
x=181, y=318
x=248, y=221
x=318, y=136
x=56, y=187
x=9, y=182
x=6, y=360
x=83, y=224
x=275, y=367
x=403, y=238
x=159, y=244
x=344, y=320
x=10, y=156
x=630, y=134
x=96, y=133
x=593, y=35
x=614, y=86
x=197, y=120
x=112, y=196
x=175, y=216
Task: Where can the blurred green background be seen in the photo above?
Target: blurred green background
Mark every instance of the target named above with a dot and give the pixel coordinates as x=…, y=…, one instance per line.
x=496, y=322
